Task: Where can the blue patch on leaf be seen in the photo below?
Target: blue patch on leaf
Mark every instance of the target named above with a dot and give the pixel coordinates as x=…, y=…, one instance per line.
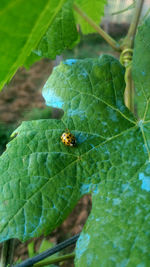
x=145, y=181
x=70, y=61
x=51, y=99
x=85, y=189
x=143, y=73
x=82, y=244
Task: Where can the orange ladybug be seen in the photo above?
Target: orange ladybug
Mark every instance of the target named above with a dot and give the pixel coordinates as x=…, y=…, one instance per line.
x=68, y=139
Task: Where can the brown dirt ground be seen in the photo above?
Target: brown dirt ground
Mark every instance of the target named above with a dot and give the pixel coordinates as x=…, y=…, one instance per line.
x=24, y=91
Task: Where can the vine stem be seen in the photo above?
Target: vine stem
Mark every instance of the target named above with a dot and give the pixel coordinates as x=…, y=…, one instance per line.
x=127, y=45
x=129, y=39
x=7, y=253
x=56, y=260
x=106, y=36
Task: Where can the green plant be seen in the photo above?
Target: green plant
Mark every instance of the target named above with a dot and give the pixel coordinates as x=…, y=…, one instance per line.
x=37, y=113
x=41, y=178
x=43, y=246
x=5, y=132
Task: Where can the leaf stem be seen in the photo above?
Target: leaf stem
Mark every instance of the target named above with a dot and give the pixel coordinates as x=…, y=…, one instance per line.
x=129, y=90
x=7, y=253
x=125, y=9
x=106, y=36
x=4, y=254
x=126, y=55
x=128, y=41
x=55, y=260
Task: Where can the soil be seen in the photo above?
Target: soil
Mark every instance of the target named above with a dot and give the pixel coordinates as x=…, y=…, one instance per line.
x=24, y=91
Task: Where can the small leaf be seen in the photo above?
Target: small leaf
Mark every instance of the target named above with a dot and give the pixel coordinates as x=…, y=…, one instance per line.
x=45, y=245
x=61, y=34
x=38, y=113
x=31, y=251
x=94, y=9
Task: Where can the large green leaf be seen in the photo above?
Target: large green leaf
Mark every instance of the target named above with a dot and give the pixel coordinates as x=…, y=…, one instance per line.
x=117, y=232
x=42, y=179
x=120, y=215
x=61, y=34
x=141, y=73
x=94, y=9
x=22, y=25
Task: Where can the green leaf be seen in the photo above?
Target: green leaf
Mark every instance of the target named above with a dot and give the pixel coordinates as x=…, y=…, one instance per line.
x=117, y=232
x=38, y=113
x=61, y=34
x=44, y=246
x=5, y=132
x=23, y=23
x=31, y=251
x=140, y=71
x=94, y=9
x=42, y=179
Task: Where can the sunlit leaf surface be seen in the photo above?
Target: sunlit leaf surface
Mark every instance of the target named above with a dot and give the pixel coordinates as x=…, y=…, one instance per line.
x=94, y=9
x=22, y=25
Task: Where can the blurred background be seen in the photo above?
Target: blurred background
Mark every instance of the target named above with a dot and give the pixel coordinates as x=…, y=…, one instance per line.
x=22, y=100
